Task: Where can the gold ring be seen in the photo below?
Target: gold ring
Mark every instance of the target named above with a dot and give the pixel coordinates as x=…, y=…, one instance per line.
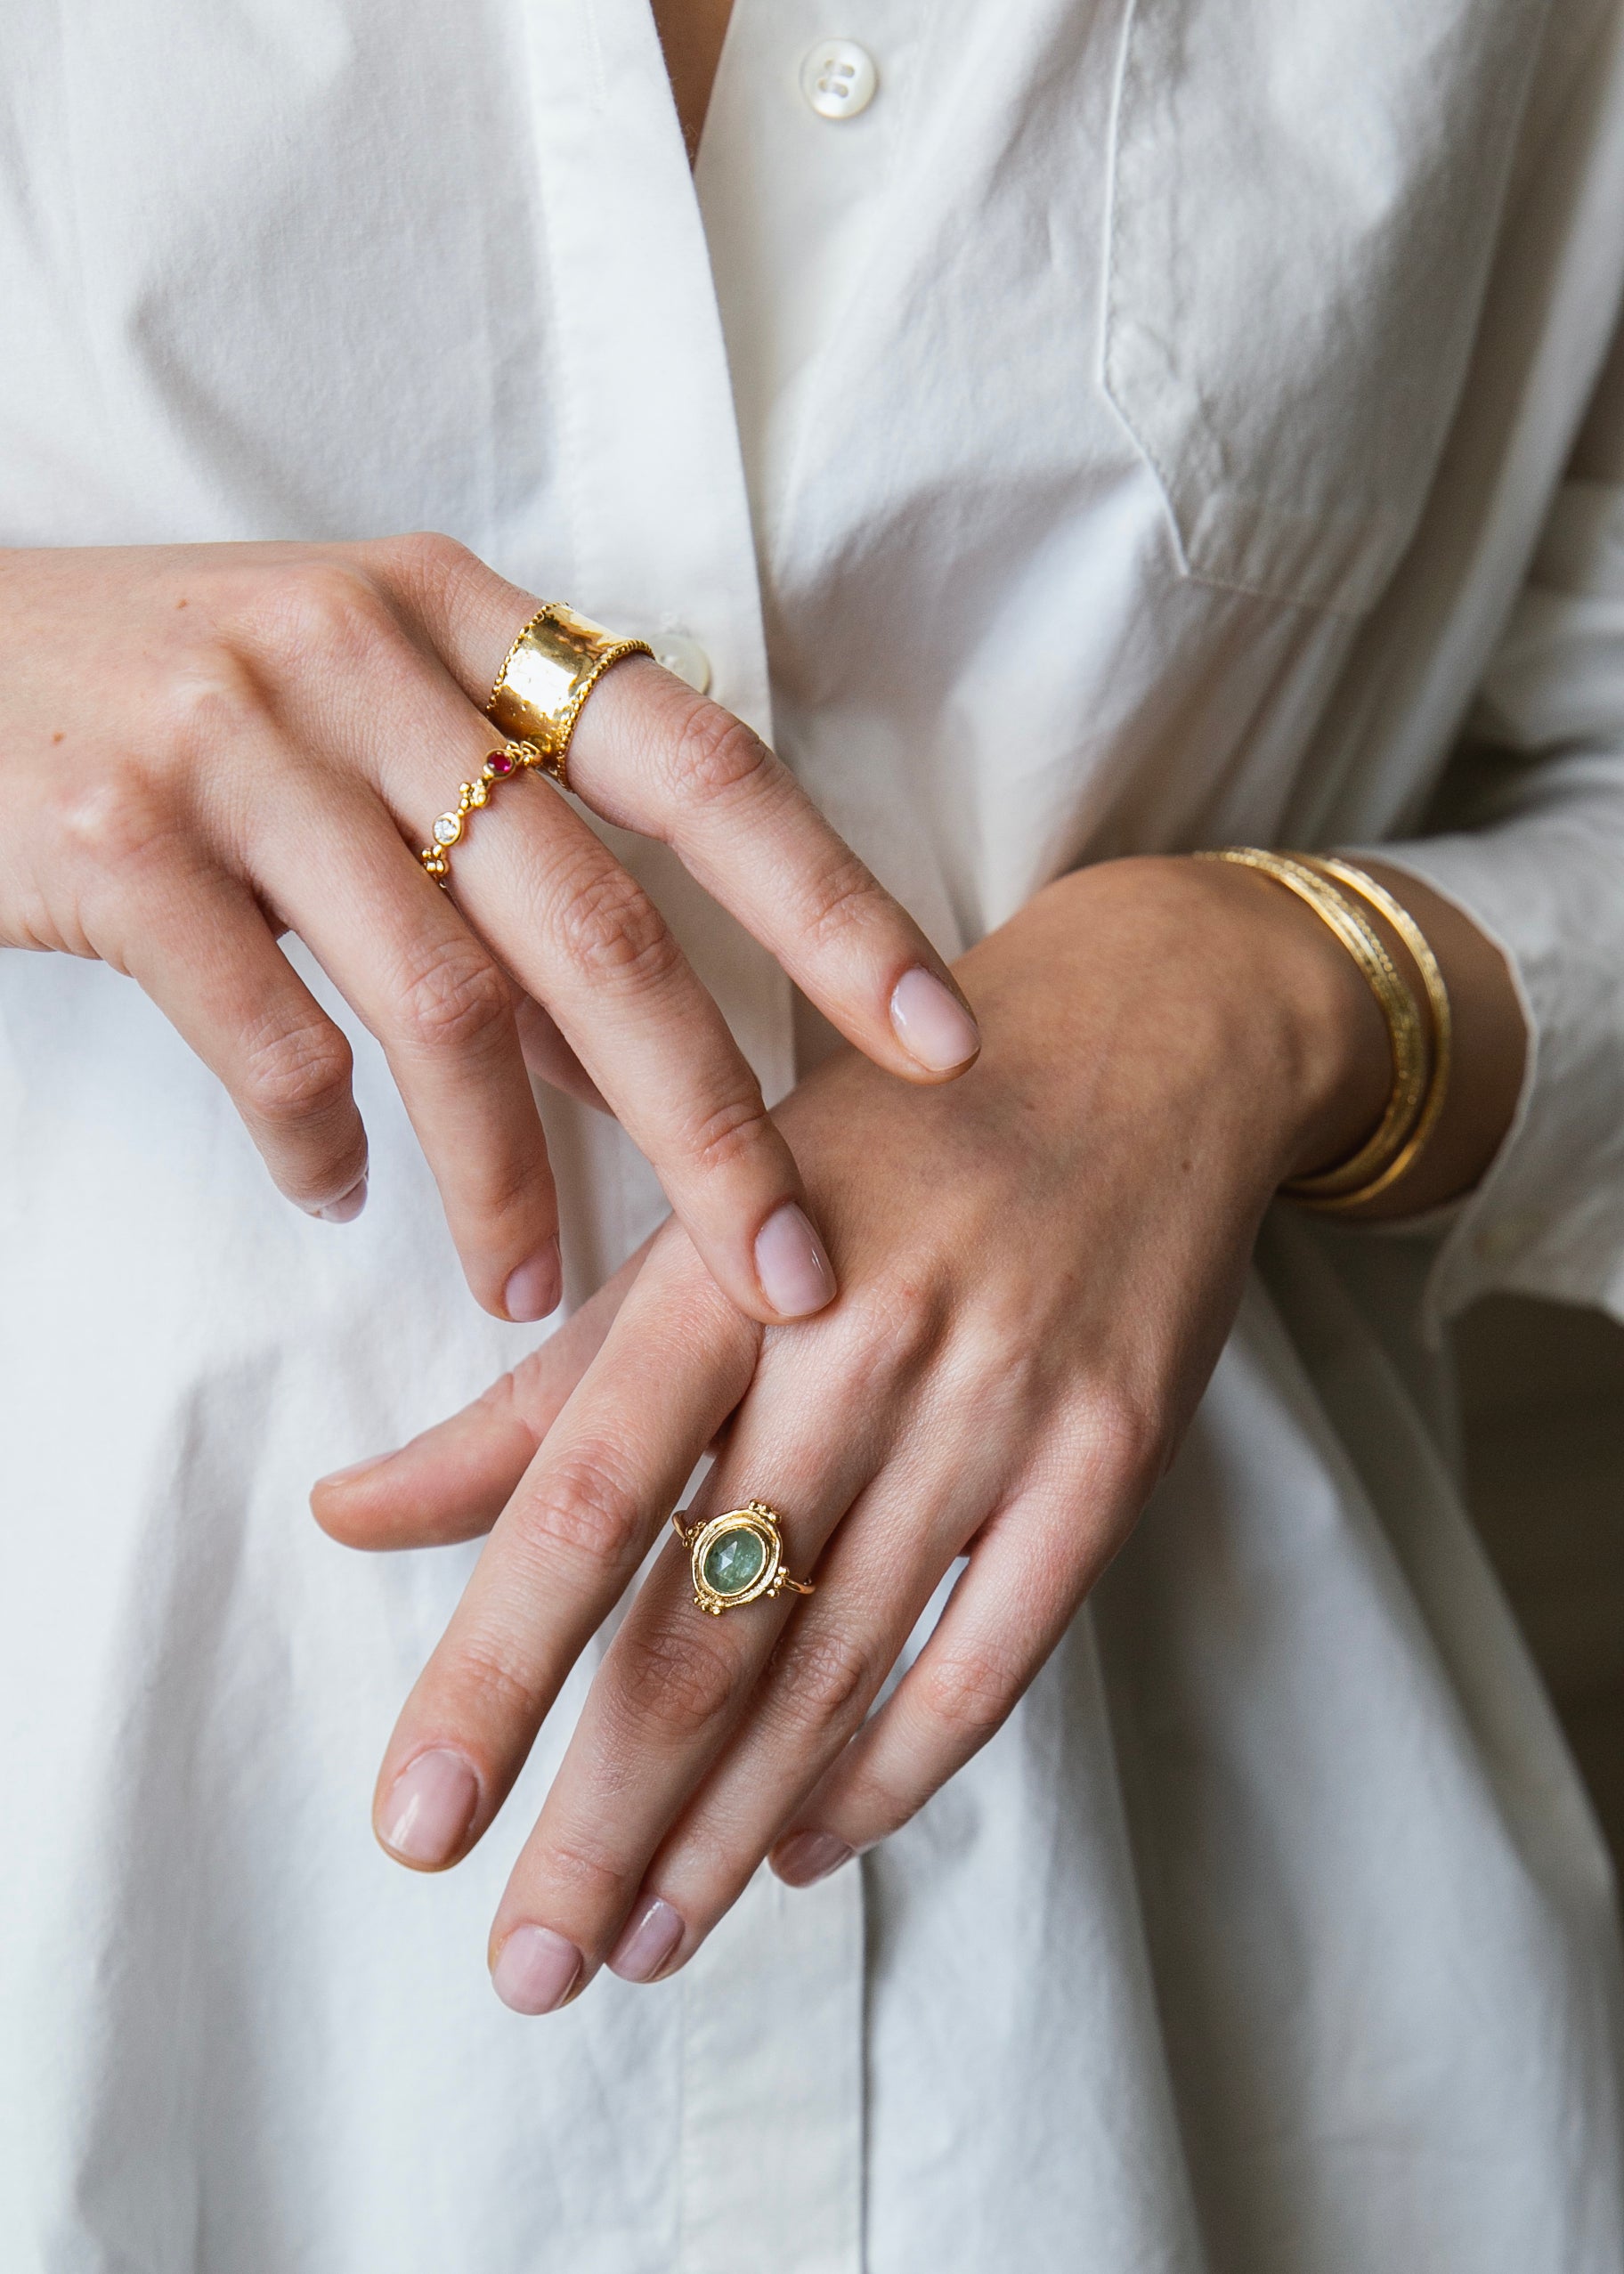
x=512, y=758
x=550, y=669
x=737, y=1557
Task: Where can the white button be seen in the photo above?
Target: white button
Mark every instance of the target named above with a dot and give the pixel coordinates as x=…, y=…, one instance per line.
x=674, y=652
x=839, y=78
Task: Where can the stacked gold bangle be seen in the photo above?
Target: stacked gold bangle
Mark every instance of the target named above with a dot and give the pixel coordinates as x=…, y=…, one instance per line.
x=1420, y=1044
x=547, y=675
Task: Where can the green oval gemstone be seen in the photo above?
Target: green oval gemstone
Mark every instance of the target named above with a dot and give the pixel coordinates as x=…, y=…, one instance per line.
x=735, y=1559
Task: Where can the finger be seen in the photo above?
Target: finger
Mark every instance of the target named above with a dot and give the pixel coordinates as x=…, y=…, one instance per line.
x=676, y=1362
x=331, y=863
x=666, y=1697
x=196, y=943
x=875, y=1580
x=563, y=915
x=650, y=754
x=585, y=942
x=584, y=938
x=452, y=1482
x=1007, y=1611
x=549, y=1057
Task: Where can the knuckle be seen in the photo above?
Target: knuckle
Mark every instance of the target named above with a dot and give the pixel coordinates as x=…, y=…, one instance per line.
x=296, y=1073
x=679, y=1678
x=582, y=1513
x=314, y=612
x=106, y=820
x=1129, y=1443
x=211, y=703
x=713, y=755
x=968, y=1694
x=834, y=897
x=489, y=1690
x=593, y=1876
x=610, y=927
x=456, y=999
x=725, y=1130
x=428, y=557
x=821, y=1676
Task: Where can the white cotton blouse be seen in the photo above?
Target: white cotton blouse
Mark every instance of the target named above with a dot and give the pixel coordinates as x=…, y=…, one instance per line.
x=1142, y=426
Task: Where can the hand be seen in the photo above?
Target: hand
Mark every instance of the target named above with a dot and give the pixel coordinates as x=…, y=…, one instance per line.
x=1041, y=1269
x=203, y=745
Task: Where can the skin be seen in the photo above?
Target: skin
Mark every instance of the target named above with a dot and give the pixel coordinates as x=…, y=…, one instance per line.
x=691, y=33
x=1040, y=1266
x=289, y=720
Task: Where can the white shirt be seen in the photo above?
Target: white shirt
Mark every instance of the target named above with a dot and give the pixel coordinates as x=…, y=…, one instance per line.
x=1142, y=426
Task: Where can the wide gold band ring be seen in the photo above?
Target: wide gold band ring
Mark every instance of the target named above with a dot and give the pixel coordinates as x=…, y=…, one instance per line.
x=550, y=669
x=737, y=1557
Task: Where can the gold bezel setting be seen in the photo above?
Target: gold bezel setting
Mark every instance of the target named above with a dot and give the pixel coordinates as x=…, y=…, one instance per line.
x=760, y=1519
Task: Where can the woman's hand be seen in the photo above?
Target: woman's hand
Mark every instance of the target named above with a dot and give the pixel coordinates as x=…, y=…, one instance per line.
x=203, y=745
x=1041, y=1267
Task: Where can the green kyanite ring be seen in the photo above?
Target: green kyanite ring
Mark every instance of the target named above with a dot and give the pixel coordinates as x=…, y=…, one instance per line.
x=734, y=1560
x=737, y=1557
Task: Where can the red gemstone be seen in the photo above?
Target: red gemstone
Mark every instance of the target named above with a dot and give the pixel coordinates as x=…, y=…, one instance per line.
x=499, y=763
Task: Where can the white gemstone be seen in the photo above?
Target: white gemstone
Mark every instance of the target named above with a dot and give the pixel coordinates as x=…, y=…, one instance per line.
x=448, y=829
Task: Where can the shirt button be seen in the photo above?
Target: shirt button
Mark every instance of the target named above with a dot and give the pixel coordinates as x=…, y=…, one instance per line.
x=684, y=657
x=837, y=78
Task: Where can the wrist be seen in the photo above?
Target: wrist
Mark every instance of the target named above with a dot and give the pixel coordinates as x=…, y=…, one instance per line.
x=1269, y=1006
x=1334, y=1051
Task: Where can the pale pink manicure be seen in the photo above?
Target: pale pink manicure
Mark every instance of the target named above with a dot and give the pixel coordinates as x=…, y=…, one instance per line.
x=535, y=1970
x=651, y=1937
x=932, y=1025
x=356, y=1469
x=795, y=1274
x=430, y=1806
x=347, y=1207
x=808, y=1855
x=536, y=1289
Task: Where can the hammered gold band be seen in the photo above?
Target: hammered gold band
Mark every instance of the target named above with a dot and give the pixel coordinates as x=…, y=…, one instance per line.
x=737, y=1557
x=549, y=672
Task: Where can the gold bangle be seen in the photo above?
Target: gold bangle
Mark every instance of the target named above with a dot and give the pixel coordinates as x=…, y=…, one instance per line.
x=549, y=672
x=1439, y=1013
x=1348, y=1183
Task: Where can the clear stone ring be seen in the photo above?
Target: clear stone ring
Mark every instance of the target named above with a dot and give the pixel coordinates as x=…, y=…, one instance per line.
x=737, y=1557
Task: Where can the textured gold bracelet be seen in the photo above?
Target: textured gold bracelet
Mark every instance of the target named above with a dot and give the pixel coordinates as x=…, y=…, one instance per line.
x=1349, y=1183
x=1414, y=939
x=501, y=765
x=549, y=672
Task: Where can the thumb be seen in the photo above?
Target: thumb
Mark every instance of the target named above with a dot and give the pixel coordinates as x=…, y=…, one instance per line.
x=453, y=1481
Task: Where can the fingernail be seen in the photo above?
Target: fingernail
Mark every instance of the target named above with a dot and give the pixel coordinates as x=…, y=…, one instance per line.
x=347, y=1207
x=653, y=1934
x=795, y=1274
x=932, y=1025
x=535, y=1970
x=430, y=1806
x=356, y=1469
x=536, y=1288
x=808, y=1855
